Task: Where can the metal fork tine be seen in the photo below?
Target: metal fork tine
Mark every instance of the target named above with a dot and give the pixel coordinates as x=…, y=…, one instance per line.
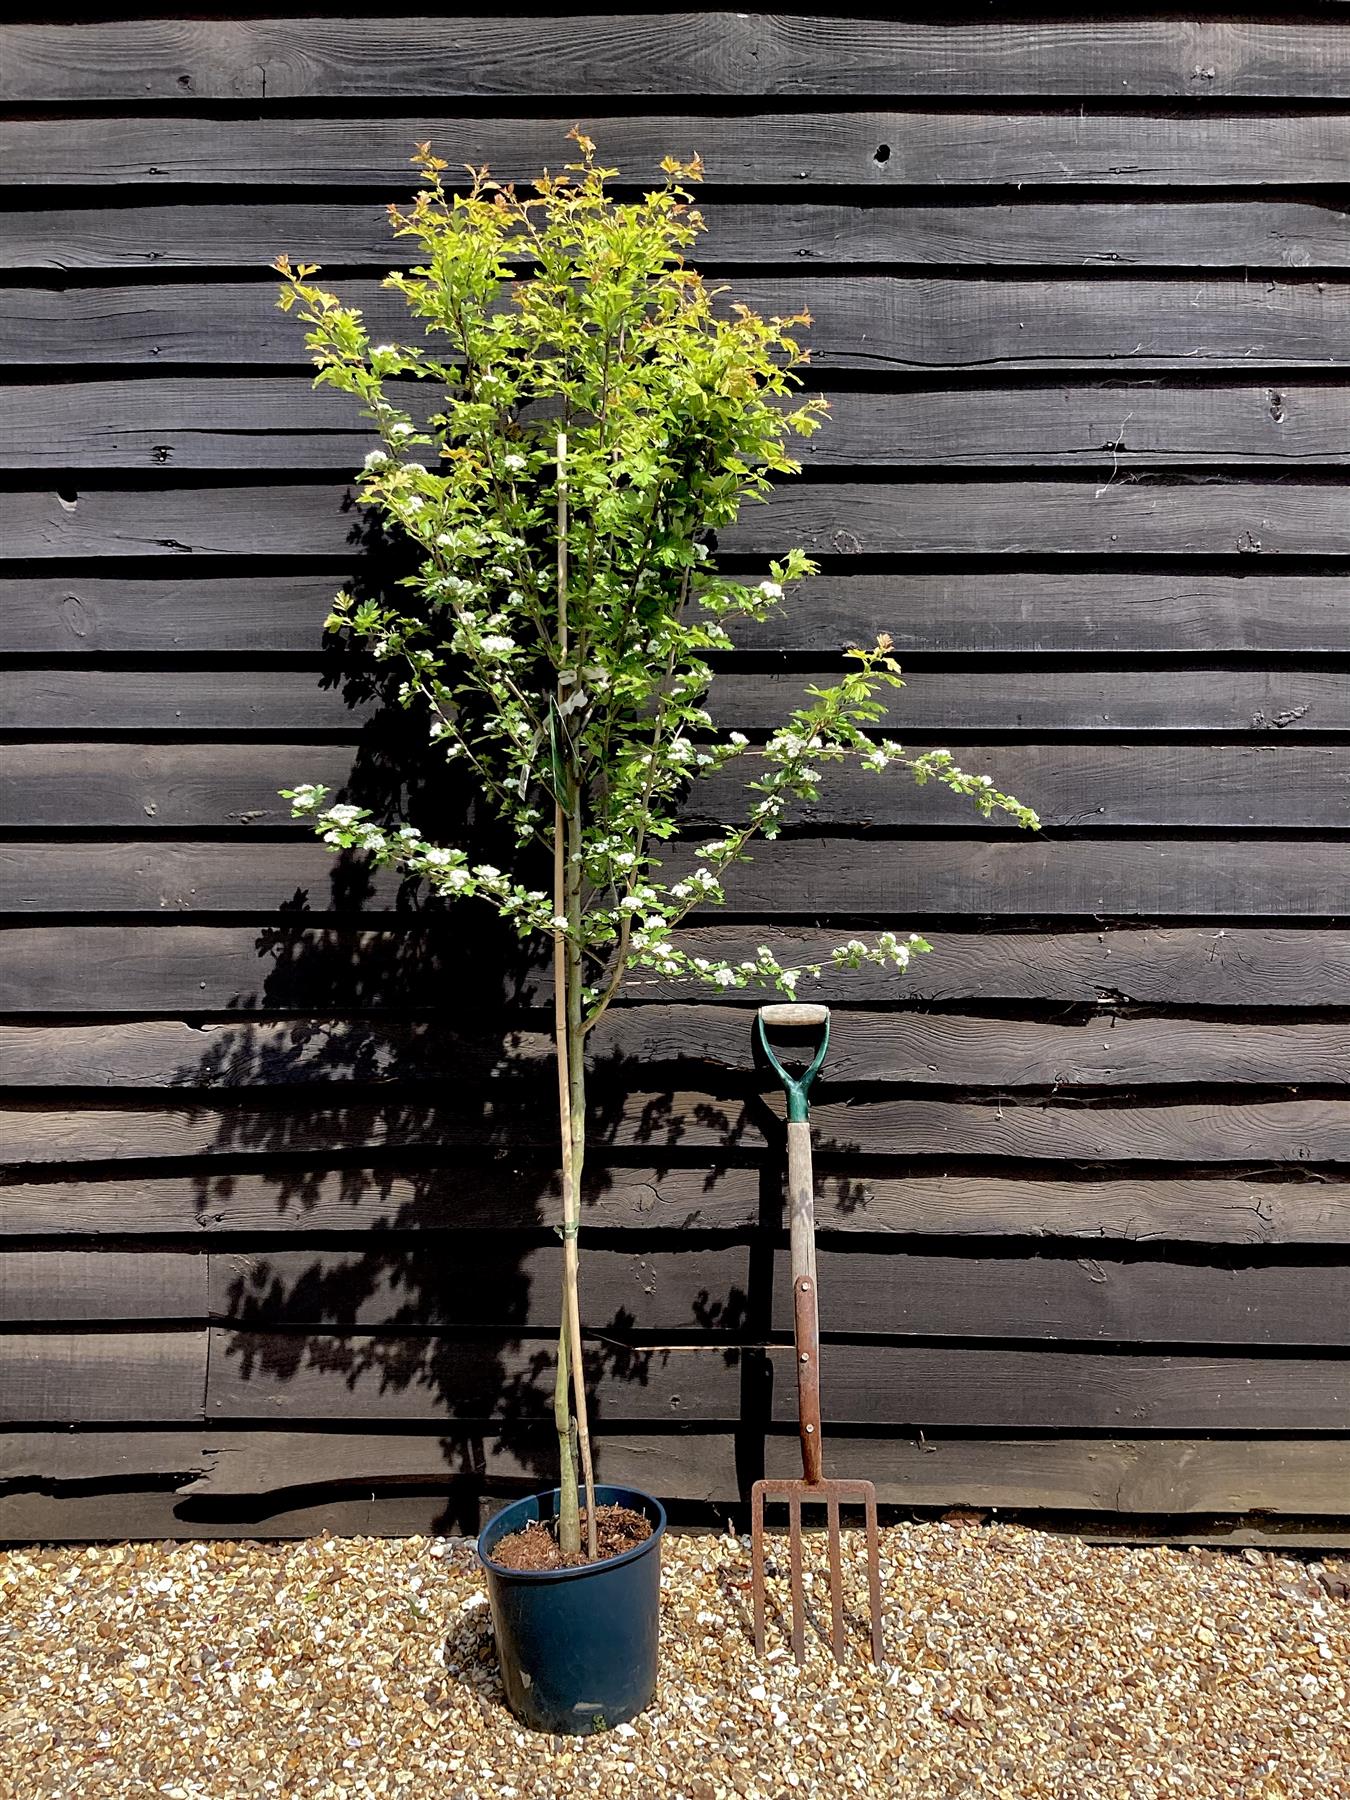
x=798, y=1597
x=874, y=1573
x=836, y=1580
x=757, y=1562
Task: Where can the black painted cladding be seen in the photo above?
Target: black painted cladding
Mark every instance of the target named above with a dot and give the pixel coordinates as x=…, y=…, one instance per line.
x=276, y=1192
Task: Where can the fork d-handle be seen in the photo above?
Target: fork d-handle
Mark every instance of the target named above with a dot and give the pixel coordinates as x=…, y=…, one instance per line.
x=805, y=1310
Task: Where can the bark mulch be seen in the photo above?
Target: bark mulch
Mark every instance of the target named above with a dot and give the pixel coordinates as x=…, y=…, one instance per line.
x=1020, y=1665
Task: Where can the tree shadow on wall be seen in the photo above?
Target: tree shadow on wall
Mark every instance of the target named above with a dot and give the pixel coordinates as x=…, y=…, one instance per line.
x=380, y=1117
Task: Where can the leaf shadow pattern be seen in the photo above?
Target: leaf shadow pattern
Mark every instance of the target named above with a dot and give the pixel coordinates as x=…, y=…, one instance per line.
x=379, y=1180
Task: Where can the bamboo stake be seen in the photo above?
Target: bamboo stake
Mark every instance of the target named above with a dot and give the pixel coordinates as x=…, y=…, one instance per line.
x=571, y=1076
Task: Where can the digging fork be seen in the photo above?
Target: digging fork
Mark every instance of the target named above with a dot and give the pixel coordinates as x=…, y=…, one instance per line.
x=812, y=1488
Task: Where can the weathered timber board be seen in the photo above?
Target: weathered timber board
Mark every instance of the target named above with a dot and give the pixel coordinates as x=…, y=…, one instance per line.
x=1010, y=613
x=318, y=1202
x=250, y=424
x=180, y=967
x=1126, y=1475
x=871, y=323
x=217, y=786
x=894, y=879
x=1268, y=233
x=1057, y=148
x=1040, y=876
x=710, y=1292
x=247, y=424
x=1279, y=703
x=76, y=1377
x=480, y=1280
x=1251, y=1132
x=663, y=54
x=46, y=1287
x=928, y=1049
x=152, y=1514
x=1133, y=516
x=360, y=1376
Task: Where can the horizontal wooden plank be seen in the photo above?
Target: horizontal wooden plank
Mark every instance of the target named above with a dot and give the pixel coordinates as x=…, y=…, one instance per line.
x=1010, y=612
x=319, y=1202
x=948, y=149
x=306, y=968
x=712, y=1291
x=1276, y=704
x=955, y=1049
x=1161, y=967
x=1049, y=1130
x=1132, y=516
x=58, y=1377
x=1110, y=1475
x=733, y=1292
x=362, y=1376
x=217, y=786
x=661, y=54
x=1097, y=786
x=1040, y=877
x=297, y=1483
x=1035, y=877
x=83, y=1515
x=47, y=1287
x=246, y=424
x=873, y=323
x=259, y=1462
x=1216, y=233
x=926, y=1049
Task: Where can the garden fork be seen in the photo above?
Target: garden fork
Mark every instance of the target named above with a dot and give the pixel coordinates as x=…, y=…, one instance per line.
x=812, y=1488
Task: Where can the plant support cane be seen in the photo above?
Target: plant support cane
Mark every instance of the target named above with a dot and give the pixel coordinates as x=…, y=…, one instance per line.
x=812, y=1488
x=571, y=1101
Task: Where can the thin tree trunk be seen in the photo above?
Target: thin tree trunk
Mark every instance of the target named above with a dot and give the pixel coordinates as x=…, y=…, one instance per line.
x=569, y=1524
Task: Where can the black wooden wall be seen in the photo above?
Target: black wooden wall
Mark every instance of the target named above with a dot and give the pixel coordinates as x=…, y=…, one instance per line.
x=276, y=1210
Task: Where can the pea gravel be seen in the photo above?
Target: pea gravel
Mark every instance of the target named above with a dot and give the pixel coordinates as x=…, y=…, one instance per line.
x=1021, y=1664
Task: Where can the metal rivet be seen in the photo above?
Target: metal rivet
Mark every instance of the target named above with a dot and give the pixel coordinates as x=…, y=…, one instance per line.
x=804, y=1357
x=809, y=1430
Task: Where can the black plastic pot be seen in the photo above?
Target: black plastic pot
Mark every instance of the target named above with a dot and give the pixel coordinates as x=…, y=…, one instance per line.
x=577, y=1647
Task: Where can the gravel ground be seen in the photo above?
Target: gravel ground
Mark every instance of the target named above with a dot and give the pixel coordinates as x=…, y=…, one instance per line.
x=1020, y=1665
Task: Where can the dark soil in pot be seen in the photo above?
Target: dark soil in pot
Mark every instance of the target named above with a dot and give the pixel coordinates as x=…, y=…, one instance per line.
x=617, y=1528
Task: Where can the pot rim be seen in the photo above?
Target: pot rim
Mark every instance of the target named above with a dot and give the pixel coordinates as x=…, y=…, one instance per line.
x=588, y=1568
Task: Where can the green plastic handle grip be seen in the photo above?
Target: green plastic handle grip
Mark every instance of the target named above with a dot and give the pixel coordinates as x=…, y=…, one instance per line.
x=796, y=1087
